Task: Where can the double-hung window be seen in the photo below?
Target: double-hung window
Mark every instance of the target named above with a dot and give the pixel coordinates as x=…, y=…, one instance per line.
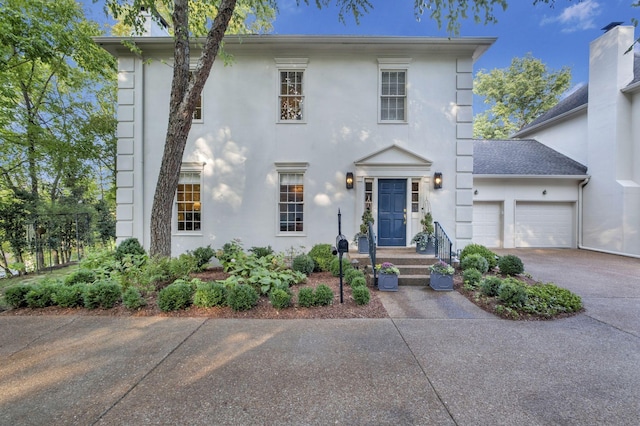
x=188, y=201
x=393, y=90
x=291, y=90
x=291, y=197
x=197, y=113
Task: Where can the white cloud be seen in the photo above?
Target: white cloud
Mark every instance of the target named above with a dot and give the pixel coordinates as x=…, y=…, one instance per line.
x=577, y=17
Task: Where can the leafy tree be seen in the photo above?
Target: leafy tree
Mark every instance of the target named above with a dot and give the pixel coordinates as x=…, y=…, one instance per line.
x=517, y=95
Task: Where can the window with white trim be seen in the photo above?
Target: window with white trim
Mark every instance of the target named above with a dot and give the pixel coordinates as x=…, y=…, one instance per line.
x=197, y=113
x=291, y=90
x=188, y=204
x=392, y=89
x=291, y=204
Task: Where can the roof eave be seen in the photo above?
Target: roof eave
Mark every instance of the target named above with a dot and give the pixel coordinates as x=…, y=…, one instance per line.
x=520, y=176
x=632, y=88
x=553, y=120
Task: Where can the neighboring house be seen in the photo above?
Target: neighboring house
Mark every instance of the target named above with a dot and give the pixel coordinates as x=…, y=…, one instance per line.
x=279, y=131
x=598, y=126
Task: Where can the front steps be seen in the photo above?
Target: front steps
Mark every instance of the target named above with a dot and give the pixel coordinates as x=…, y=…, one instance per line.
x=414, y=268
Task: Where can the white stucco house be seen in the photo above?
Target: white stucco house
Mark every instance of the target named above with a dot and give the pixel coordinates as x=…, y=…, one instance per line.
x=284, y=128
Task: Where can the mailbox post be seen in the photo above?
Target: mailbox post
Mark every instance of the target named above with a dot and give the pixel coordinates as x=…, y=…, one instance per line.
x=342, y=247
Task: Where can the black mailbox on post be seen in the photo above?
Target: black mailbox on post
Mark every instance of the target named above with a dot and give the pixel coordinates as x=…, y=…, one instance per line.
x=342, y=244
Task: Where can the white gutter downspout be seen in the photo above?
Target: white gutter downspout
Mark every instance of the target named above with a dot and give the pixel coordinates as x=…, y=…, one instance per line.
x=580, y=226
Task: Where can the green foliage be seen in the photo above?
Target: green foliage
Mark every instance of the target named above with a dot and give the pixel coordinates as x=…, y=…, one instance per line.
x=102, y=294
x=80, y=276
x=512, y=293
x=175, y=296
x=334, y=266
x=182, y=266
x=303, y=263
x=351, y=274
x=322, y=256
x=475, y=261
x=472, y=277
x=323, y=295
x=98, y=259
x=490, y=285
x=130, y=246
x=306, y=297
x=210, y=294
x=361, y=295
x=202, y=255
x=41, y=294
x=261, y=251
x=359, y=281
x=264, y=273
x=230, y=253
x=482, y=250
x=549, y=300
x=242, y=297
x=70, y=296
x=280, y=298
x=132, y=299
x=15, y=295
x=367, y=217
x=510, y=265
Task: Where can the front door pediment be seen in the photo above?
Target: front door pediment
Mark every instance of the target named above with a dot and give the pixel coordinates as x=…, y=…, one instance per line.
x=394, y=156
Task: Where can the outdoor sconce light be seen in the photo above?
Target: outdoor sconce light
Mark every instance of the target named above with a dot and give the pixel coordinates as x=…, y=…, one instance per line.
x=544, y=192
x=437, y=180
x=349, y=180
x=475, y=192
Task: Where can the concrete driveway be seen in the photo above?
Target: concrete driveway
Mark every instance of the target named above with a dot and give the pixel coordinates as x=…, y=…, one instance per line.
x=436, y=361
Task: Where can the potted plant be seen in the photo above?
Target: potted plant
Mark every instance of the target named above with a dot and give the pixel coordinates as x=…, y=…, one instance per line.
x=441, y=278
x=387, y=276
x=362, y=237
x=425, y=239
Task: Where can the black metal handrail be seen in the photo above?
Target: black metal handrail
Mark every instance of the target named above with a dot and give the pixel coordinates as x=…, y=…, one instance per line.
x=443, y=244
x=371, y=236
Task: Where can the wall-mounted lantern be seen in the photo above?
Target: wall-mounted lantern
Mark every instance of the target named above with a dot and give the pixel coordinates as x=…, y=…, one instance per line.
x=349, y=180
x=437, y=180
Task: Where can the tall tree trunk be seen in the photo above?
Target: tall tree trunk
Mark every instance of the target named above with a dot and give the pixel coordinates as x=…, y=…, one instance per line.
x=184, y=95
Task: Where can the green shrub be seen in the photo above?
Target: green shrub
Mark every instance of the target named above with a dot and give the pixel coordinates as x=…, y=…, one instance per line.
x=334, y=266
x=549, y=299
x=472, y=277
x=510, y=265
x=132, y=299
x=175, y=296
x=230, y=253
x=242, y=297
x=41, y=295
x=475, y=261
x=481, y=250
x=359, y=281
x=305, y=297
x=261, y=251
x=210, y=294
x=512, y=293
x=202, y=255
x=361, y=295
x=323, y=295
x=322, y=256
x=280, y=298
x=130, y=246
x=102, y=294
x=80, y=276
x=15, y=295
x=490, y=285
x=70, y=296
x=351, y=274
x=182, y=266
x=303, y=263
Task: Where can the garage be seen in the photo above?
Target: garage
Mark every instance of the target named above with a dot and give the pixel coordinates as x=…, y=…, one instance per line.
x=487, y=224
x=545, y=224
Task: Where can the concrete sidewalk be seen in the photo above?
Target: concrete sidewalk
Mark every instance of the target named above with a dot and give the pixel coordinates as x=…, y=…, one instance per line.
x=437, y=361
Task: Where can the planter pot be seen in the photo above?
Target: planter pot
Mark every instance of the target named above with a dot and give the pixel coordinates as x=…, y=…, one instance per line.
x=387, y=282
x=363, y=245
x=441, y=282
x=429, y=249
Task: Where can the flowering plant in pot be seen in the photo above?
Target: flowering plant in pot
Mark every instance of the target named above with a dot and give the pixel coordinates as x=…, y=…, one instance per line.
x=387, y=276
x=425, y=239
x=442, y=268
x=388, y=268
x=441, y=277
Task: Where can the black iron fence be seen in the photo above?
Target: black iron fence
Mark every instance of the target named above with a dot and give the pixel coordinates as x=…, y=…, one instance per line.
x=443, y=244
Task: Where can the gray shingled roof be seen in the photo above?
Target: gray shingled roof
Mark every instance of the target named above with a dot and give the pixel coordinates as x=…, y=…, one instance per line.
x=578, y=98
x=521, y=157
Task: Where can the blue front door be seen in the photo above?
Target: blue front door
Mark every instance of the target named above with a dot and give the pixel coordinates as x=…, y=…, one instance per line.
x=392, y=212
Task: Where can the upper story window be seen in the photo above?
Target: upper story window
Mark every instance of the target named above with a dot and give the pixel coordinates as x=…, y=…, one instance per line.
x=393, y=90
x=291, y=90
x=197, y=113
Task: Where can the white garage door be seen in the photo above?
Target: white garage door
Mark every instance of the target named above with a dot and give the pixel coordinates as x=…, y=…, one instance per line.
x=545, y=224
x=487, y=224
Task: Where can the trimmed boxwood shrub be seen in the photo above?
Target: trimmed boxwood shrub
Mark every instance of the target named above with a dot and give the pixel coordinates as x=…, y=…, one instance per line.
x=475, y=261
x=322, y=256
x=303, y=263
x=132, y=299
x=242, y=297
x=280, y=298
x=102, y=294
x=471, y=277
x=359, y=281
x=351, y=274
x=80, y=276
x=489, y=286
x=361, y=295
x=510, y=265
x=323, y=295
x=202, y=255
x=69, y=296
x=305, y=297
x=210, y=294
x=512, y=293
x=15, y=295
x=175, y=296
x=481, y=250
x=334, y=266
x=41, y=295
x=130, y=246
